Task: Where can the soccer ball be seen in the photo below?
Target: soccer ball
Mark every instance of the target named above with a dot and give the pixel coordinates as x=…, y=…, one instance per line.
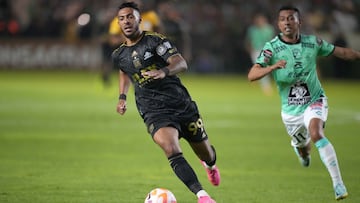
x=160, y=195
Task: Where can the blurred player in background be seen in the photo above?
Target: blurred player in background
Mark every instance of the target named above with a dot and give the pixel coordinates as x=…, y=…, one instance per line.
x=150, y=22
x=150, y=61
x=176, y=28
x=291, y=58
x=259, y=32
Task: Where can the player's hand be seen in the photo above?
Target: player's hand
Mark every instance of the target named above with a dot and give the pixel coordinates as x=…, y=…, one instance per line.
x=121, y=107
x=280, y=64
x=154, y=74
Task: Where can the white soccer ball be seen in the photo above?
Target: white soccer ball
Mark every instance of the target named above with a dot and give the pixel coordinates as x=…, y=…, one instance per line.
x=160, y=195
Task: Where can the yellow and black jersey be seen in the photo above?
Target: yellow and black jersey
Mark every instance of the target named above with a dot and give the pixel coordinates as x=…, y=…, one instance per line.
x=166, y=95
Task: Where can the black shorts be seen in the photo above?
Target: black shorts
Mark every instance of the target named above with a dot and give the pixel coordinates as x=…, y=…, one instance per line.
x=190, y=128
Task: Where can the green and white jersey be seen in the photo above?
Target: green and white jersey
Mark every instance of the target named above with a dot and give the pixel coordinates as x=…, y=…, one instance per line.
x=298, y=83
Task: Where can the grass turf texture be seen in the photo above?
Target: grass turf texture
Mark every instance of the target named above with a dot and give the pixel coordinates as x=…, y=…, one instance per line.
x=61, y=141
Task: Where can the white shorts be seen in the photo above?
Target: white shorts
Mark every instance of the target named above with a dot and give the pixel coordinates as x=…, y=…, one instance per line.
x=297, y=126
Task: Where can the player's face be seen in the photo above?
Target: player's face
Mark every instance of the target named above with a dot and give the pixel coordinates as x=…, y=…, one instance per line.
x=289, y=23
x=129, y=20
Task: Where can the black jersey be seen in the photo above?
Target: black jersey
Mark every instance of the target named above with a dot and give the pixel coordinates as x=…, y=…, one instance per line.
x=153, y=97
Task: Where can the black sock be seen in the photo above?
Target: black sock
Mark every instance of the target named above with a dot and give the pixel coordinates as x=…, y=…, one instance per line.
x=184, y=172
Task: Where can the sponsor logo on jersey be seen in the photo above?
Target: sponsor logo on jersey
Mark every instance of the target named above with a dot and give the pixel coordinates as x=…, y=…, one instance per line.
x=299, y=94
x=318, y=105
x=147, y=55
x=280, y=48
x=307, y=45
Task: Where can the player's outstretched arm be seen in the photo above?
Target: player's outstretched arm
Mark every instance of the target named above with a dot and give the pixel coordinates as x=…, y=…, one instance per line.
x=346, y=53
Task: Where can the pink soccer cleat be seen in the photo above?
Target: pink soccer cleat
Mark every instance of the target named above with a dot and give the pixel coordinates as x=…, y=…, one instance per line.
x=206, y=199
x=213, y=173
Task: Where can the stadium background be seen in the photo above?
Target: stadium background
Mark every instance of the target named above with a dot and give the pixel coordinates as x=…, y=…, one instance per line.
x=54, y=34
x=61, y=140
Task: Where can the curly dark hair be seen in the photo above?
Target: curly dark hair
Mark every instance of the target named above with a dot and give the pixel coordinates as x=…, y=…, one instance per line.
x=289, y=7
x=132, y=5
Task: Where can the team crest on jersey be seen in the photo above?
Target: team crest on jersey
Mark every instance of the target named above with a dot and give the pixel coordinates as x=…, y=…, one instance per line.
x=296, y=53
x=136, y=59
x=319, y=41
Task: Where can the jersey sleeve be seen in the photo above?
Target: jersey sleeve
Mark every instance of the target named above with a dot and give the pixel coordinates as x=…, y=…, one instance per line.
x=165, y=49
x=324, y=47
x=265, y=56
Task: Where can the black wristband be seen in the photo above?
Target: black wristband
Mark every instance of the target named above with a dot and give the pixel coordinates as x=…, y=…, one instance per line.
x=122, y=96
x=166, y=71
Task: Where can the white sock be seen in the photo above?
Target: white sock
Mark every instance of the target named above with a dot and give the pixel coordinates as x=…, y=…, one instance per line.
x=202, y=193
x=328, y=157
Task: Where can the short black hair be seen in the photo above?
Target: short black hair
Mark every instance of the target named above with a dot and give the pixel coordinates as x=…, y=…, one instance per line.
x=132, y=5
x=289, y=7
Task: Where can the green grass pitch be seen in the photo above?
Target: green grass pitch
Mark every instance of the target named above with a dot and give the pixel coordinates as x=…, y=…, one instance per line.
x=61, y=141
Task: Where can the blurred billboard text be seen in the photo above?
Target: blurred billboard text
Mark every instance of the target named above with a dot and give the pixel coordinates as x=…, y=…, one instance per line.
x=53, y=54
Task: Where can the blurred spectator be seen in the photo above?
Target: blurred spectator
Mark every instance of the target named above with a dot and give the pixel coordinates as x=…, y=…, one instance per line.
x=71, y=14
x=208, y=34
x=9, y=24
x=344, y=15
x=43, y=22
x=216, y=29
x=204, y=16
x=258, y=33
x=175, y=28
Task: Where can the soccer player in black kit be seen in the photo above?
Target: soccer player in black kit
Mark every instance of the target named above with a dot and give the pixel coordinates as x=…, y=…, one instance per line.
x=150, y=62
